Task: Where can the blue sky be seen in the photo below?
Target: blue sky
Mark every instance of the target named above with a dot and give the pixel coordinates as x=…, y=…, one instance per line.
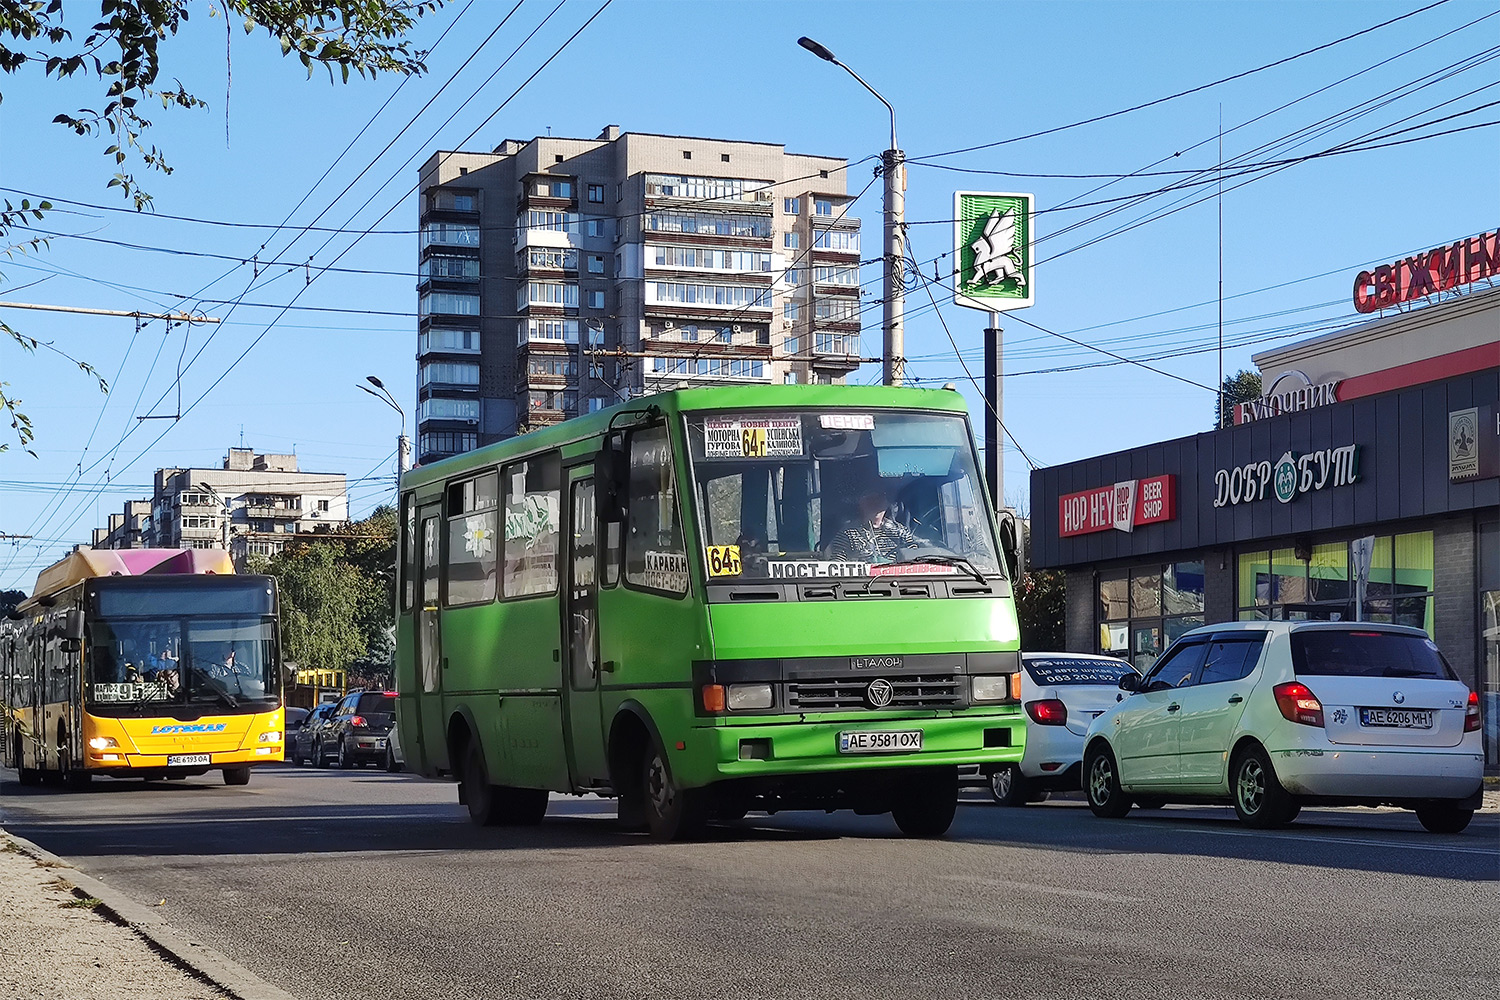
x=959, y=75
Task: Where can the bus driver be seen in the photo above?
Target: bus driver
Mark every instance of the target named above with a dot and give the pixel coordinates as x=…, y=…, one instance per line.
x=874, y=538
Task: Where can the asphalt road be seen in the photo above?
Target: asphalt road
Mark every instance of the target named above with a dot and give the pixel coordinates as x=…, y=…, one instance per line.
x=366, y=885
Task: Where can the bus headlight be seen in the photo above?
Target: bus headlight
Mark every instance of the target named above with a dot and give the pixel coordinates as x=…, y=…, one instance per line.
x=743, y=697
x=274, y=737
x=992, y=688
x=102, y=743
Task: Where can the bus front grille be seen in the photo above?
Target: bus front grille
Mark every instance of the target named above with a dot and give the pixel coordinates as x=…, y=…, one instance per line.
x=834, y=694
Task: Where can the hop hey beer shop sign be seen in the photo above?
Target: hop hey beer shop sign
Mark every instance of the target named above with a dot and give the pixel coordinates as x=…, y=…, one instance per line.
x=1124, y=506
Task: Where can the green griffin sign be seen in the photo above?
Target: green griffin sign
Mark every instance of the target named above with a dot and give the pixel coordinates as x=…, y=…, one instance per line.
x=992, y=244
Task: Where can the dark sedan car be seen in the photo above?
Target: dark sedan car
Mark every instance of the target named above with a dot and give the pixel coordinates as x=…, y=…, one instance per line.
x=300, y=741
x=357, y=730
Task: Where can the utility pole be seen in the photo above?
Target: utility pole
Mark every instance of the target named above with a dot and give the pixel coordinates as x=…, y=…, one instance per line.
x=893, y=312
x=994, y=405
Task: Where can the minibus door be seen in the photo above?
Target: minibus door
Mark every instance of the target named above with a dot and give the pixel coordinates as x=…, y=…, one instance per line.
x=429, y=643
x=580, y=639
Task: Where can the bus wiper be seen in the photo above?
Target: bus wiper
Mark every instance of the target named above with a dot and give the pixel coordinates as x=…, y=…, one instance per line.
x=957, y=562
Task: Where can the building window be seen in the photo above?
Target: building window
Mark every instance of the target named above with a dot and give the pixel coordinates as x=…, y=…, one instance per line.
x=448, y=373
x=446, y=442
x=596, y=264
x=547, y=293
x=1141, y=612
x=549, y=220
x=323, y=505
x=596, y=193
x=836, y=310
x=846, y=344
x=707, y=188
x=791, y=206
x=598, y=227
x=1277, y=585
x=746, y=296
x=453, y=201
x=723, y=157
x=451, y=268
x=837, y=239
x=822, y=206
x=791, y=345
x=687, y=154
x=551, y=399
x=555, y=331
x=438, y=408
x=791, y=240
x=796, y=275
x=711, y=367
x=548, y=366
x=705, y=258
x=619, y=191
x=655, y=557
x=790, y=378
x=596, y=300
x=556, y=258
x=791, y=310
x=448, y=303
x=449, y=234
x=710, y=223
x=763, y=336
x=846, y=275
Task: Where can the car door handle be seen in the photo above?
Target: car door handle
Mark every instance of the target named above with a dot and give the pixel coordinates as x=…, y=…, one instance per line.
x=1235, y=699
x=1173, y=707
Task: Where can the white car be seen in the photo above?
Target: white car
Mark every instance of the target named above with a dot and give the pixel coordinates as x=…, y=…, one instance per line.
x=1061, y=693
x=1270, y=716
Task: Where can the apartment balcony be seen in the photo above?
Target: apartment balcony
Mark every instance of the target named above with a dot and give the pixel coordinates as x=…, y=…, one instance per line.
x=275, y=511
x=212, y=534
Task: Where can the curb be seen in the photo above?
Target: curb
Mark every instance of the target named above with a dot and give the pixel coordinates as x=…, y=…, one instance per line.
x=197, y=959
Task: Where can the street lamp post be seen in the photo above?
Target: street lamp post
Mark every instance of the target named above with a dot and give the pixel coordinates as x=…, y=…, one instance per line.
x=894, y=303
x=403, y=443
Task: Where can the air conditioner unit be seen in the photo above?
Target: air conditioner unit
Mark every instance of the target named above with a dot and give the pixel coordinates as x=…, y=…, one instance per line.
x=736, y=328
x=668, y=324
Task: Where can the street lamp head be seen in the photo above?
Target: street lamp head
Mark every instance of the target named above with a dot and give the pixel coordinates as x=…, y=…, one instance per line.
x=816, y=49
x=375, y=381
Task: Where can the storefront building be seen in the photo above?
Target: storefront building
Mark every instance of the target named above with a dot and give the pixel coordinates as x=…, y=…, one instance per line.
x=1365, y=483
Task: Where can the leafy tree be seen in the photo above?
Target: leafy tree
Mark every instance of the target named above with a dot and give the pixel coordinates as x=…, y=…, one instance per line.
x=10, y=600
x=122, y=50
x=1241, y=387
x=1041, y=604
x=338, y=598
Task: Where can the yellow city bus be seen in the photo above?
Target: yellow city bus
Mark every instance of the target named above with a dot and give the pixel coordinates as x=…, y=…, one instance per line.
x=142, y=663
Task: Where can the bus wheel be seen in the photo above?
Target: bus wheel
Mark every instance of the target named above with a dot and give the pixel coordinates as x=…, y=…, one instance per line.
x=478, y=793
x=236, y=775
x=926, y=801
x=672, y=812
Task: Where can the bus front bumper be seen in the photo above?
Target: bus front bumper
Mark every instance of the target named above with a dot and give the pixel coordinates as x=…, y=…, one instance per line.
x=796, y=747
x=106, y=760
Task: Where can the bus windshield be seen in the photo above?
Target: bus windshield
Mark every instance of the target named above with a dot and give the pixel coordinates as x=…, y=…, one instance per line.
x=224, y=663
x=817, y=494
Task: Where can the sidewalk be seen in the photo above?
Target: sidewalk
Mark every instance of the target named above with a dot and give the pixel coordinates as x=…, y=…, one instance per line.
x=65, y=935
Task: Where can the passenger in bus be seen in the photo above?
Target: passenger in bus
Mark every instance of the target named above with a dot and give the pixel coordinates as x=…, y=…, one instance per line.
x=874, y=537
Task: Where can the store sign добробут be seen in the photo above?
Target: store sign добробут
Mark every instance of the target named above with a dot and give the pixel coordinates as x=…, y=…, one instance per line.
x=1124, y=506
x=1288, y=477
x=1438, y=270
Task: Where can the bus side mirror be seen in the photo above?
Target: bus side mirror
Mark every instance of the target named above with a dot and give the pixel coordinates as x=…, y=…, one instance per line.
x=611, y=474
x=1010, y=544
x=73, y=625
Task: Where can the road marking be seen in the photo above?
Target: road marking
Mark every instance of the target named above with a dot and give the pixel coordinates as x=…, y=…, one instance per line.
x=1108, y=897
x=1396, y=846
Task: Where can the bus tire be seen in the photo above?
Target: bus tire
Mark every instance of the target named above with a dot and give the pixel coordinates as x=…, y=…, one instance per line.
x=672, y=812
x=477, y=792
x=926, y=801
x=237, y=775
x=74, y=778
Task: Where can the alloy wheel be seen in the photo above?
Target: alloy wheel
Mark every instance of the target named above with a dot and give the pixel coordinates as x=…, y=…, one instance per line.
x=1251, y=786
x=1101, y=780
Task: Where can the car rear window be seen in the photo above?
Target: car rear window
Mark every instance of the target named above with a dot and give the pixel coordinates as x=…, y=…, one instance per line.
x=1342, y=653
x=1070, y=670
x=376, y=704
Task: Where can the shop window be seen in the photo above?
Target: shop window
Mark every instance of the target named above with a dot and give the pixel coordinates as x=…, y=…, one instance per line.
x=1278, y=585
x=1143, y=611
x=1489, y=639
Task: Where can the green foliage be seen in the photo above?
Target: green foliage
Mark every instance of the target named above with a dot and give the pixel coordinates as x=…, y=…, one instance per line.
x=338, y=597
x=122, y=50
x=1241, y=387
x=10, y=600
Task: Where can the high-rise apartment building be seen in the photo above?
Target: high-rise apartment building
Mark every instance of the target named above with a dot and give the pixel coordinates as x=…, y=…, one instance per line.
x=559, y=276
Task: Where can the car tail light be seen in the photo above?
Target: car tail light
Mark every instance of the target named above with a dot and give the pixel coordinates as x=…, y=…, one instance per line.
x=1471, y=714
x=1298, y=704
x=1047, y=712
x=358, y=720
